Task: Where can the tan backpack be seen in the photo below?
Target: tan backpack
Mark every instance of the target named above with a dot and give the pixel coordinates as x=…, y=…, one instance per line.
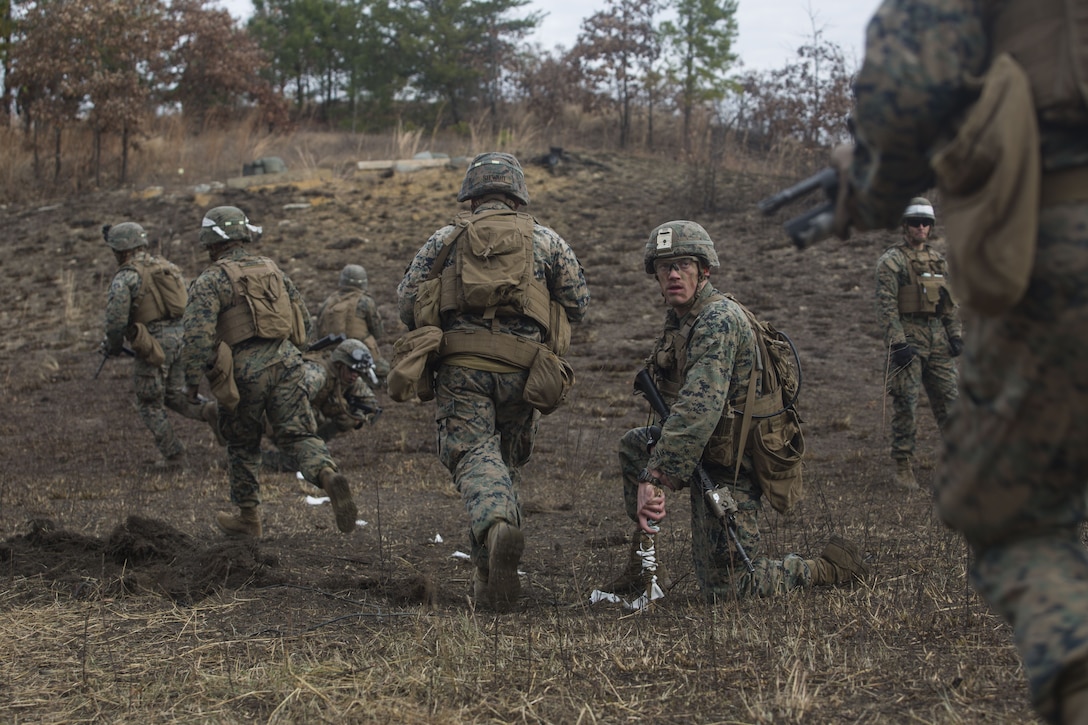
x=162, y=294
x=262, y=307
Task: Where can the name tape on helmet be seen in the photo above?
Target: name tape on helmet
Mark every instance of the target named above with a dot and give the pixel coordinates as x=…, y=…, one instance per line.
x=664, y=238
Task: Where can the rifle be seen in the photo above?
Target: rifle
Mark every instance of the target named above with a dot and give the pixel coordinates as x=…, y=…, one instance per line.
x=326, y=342
x=718, y=500
x=357, y=405
x=105, y=357
x=815, y=224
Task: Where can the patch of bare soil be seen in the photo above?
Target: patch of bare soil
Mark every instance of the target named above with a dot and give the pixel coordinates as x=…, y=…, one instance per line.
x=85, y=517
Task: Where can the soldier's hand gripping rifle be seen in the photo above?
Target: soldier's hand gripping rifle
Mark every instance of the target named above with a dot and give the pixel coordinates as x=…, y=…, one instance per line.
x=718, y=500
x=106, y=356
x=815, y=224
x=359, y=405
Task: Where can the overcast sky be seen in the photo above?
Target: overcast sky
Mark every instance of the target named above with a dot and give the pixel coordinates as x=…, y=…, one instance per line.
x=770, y=31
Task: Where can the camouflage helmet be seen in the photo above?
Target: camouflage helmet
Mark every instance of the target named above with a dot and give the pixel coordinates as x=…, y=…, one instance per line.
x=919, y=208
x=494, y=173
x=124, y=236
x=354, y=355
x=679, y=239
x=353, y=275
x=224, y=224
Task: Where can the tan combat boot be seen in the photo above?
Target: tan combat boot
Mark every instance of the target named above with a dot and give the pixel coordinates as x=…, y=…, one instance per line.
x=632, y=580
x=343, y=507
x=244, y=524
x=501, y=586
x=904, y=475
x=839, y=563
x=210, y=413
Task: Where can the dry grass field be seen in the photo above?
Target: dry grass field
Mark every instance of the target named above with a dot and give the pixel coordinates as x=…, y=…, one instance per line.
x=120, y=602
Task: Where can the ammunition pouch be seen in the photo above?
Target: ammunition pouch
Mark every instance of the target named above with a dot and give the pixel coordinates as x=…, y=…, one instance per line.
x=144, y=344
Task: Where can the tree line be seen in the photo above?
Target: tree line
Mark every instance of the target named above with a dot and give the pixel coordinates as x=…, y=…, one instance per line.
x=642, y=66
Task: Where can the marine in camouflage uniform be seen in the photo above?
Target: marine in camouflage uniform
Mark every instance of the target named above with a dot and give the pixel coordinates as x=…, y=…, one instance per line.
x=1014, y=469
x=700, y=375
x=363, y=323
x=340, y=398
x=922, y=332
x=486, y=430
x=157, y=387
x=268, y=371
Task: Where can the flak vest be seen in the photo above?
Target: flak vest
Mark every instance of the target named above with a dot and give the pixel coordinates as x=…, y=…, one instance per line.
x=928, y=283
x=338, y=316
x=468, y=286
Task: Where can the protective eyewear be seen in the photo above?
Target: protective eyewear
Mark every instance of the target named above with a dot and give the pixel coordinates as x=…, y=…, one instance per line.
x=916, y=223
x=682, y=264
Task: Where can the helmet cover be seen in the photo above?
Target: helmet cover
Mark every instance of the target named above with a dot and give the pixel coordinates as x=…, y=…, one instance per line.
x=679, y=239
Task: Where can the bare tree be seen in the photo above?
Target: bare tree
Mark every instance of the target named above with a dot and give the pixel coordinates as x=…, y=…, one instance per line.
x=614, y=48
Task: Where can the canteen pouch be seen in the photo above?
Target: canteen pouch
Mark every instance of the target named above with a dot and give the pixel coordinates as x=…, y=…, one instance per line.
x=144, y=344
x=410, y=373
x=550, y=379
x=221, y=378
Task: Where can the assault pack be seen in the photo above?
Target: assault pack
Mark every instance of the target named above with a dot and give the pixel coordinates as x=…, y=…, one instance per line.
x=492, y=275
x=764, y=424
x=261, y=306
x=162, y=294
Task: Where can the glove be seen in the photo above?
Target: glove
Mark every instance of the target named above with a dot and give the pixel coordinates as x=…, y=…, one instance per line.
x=108, y=350
x=903, y=354
x=955, y=346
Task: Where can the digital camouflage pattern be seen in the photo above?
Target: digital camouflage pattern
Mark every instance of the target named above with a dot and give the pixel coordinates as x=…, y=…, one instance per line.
x=485, y=429
x=679, y=239
x=269, y=375
x=721, y=351
x=365, y=322
x=124, y=236
x=718, y=568
x=494, y=173
x=933, y=368
x=1014, y=472
x=332, y=414
x=157, y=387
x=354, y=275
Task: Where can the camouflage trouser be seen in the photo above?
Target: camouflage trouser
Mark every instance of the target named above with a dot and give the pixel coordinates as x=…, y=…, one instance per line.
x=933, y=369
x=1014, y=473
x=274, y=392
x=718, y=567
x=161, y=387
x=485, y=435
x=279, y=460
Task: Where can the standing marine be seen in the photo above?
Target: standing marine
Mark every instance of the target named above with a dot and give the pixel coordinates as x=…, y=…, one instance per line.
x=145, y=305
x=243, y=324
x=1013, y=477
x=922, y=332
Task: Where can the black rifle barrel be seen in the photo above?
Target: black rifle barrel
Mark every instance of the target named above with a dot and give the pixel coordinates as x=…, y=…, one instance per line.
x=827, y=179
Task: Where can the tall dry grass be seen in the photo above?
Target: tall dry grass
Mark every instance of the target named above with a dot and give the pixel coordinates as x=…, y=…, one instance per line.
x=172, y=156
